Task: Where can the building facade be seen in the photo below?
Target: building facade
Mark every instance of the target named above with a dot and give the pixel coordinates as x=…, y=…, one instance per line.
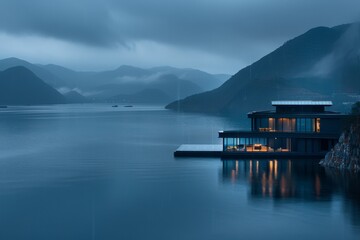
x=293, y=128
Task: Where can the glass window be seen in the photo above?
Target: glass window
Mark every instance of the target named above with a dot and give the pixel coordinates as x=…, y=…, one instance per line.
x=293, y=124
x=271, y=124
x=300, y=124
x=317, y=126
x=264, y=123
x=286, y=124
x=308, y=125
x=258, y=123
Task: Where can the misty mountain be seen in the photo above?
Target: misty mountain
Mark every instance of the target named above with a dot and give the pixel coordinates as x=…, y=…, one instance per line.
x=205, y=80
x=20, y=86
x=39, y=71
x=315, y=65
x=67, y=78
x=149, y=96
x=174, y=86
x=168, y=85
x=75, y=97
x=122, y=72
x=127, y=80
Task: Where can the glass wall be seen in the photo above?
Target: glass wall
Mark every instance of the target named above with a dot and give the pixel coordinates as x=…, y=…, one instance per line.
x=257, y=144
x=287, y=124
x=306, y=124
x=263, y=124
x=276, y=144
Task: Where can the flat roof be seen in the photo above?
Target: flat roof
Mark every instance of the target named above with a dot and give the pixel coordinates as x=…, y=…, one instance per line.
x=302, y=103
x=272, y=113
x=279, y=134
x=200, y=147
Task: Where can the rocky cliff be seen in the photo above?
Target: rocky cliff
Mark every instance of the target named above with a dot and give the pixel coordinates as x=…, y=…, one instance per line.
x=346, y=153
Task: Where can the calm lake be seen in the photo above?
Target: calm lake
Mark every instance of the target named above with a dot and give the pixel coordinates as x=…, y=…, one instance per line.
x=97, y=172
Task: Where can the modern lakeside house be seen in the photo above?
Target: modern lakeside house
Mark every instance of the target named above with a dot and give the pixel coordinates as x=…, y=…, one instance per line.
x=293, y=129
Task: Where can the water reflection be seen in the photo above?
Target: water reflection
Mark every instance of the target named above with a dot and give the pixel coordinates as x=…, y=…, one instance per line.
x=348, y=185
x=298, y=180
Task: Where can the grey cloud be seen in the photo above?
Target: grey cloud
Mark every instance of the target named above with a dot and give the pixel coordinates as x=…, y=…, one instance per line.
x=230, y=28
x=81, y=21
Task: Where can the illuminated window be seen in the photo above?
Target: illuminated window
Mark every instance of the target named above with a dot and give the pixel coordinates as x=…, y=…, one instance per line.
x=317, y=128
x=271, y=124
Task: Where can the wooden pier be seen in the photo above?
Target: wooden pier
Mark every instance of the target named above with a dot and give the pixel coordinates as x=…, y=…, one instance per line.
x=198, y=150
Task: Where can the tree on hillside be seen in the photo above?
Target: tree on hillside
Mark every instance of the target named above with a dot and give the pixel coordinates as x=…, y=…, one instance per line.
x=355, y=116
x=355, y=109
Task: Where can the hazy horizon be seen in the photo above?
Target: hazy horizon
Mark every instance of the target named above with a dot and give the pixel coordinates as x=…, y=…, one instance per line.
x=108, y=69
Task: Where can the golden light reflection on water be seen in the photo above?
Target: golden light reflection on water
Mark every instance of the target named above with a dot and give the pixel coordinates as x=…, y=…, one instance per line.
x=283, y=186
x=263, y=183
x=294, y=180
x=289, y=166
x=250, y=169
x=273, y=178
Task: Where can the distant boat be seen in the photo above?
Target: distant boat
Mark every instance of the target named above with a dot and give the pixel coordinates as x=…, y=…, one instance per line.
x=128, y=106
x=115, y=106
x=3, y=106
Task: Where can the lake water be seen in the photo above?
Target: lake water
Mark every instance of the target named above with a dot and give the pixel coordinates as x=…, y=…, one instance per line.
x=97, y=172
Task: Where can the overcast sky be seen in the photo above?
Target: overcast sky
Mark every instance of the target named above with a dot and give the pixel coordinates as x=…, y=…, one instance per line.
x=218, y=36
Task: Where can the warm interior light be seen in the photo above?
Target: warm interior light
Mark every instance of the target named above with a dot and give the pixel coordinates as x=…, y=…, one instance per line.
x=271, y=168
x=275, y=168
x=271, y=124
x=318, y=125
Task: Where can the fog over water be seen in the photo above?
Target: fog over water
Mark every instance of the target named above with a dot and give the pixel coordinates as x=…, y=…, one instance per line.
x=97, y=172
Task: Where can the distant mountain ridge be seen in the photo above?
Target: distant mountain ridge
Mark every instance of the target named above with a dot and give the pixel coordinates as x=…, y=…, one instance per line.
x=20, y=86
x=314, y=65
x=42, y=73
x=124, y=80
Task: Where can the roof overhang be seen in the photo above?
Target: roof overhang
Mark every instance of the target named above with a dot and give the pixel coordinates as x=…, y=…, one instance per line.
x=256, y=134
x=302, y=103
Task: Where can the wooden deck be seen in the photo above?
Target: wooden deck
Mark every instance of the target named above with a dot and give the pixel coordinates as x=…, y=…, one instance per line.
x=198, y=150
